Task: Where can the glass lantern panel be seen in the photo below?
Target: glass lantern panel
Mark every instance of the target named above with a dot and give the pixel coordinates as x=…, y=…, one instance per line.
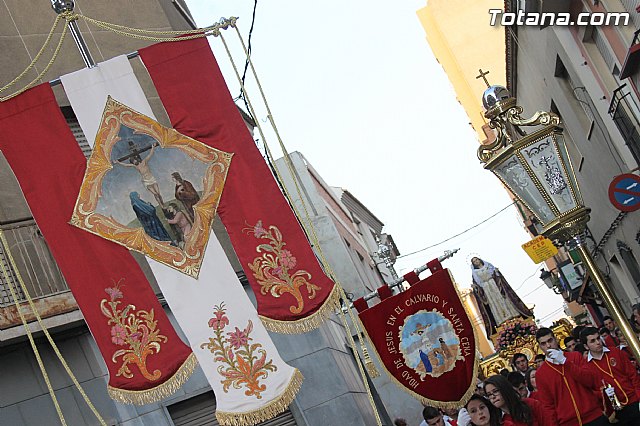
x=562, y=147
x=516, y=178
x=546, y=164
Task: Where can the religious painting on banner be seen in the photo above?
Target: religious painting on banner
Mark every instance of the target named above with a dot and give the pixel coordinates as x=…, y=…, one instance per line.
x=425, y=341
x=151, y=189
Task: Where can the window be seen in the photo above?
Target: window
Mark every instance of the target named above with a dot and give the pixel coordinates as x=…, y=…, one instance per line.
x=630, y=262
x=625, y=120
x=72, y=121
x=200, y=410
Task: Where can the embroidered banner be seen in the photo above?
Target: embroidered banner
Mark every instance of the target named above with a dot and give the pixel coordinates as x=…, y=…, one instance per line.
x=251, y=382
x=292, y=291
x=137, y=162
x=425, y=341
x=146, y=359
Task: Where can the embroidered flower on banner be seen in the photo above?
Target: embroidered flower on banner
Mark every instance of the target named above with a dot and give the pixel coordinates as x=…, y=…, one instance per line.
x=274, y=269
x=243, y=364
x=134, y=329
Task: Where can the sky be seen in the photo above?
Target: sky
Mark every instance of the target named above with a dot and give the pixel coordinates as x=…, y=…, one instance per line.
x=355, y=88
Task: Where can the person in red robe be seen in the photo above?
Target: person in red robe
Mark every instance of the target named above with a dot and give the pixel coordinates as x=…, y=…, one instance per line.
x=611, y=340
x=612, y=366
x=516, y=411
x=566, y=385
x=530, y=380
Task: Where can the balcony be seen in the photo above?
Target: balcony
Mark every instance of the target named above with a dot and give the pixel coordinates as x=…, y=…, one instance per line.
x=631, y=61
x=625, y=120
x=39, y=271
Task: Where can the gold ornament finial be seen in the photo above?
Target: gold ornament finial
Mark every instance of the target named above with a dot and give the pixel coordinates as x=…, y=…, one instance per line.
x=483, y=76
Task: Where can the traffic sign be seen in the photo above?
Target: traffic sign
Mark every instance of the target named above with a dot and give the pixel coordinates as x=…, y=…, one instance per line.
x=624, y=192
x=540, y=249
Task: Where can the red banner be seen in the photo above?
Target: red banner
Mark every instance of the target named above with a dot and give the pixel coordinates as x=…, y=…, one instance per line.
x=293, y=293
x=146, y=359
x=425, y=340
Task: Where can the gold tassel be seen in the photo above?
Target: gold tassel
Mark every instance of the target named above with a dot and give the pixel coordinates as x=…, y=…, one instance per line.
x=271, y=410
x=309, y=323
x=159, y=392
x=368, y=362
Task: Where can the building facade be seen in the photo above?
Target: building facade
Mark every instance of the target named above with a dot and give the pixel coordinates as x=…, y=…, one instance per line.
x=335, y=398
x=464, y=43
x=587, y=75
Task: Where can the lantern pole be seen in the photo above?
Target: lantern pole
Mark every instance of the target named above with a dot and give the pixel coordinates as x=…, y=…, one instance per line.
x=512, y=157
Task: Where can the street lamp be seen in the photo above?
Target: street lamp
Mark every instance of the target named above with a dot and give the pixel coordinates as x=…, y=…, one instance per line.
x=547, y=278
x=537, y=170
x=550, y=280
x=385, y=254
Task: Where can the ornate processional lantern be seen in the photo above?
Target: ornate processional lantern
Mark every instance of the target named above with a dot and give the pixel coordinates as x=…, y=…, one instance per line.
x=537, y=170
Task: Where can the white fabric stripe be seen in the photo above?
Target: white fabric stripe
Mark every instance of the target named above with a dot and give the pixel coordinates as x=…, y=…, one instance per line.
x=88, y=88
x=191, y=301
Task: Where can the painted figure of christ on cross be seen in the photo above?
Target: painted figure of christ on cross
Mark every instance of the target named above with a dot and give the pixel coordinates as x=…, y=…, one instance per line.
x=142, y=166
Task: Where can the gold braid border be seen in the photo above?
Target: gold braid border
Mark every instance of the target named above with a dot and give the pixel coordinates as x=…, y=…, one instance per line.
x=309, y=323
x=271, y=410
x=426, y=401
x=159, y=392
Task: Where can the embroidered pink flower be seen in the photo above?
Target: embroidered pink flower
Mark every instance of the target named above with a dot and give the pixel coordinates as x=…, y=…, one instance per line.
x=238, y=338
x=219, y=320
x=287, y=259
x=113, y=292
x=118, y=334
x=258, y=230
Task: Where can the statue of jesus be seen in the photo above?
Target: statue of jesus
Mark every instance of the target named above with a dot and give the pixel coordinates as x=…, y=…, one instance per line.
x=494, y=296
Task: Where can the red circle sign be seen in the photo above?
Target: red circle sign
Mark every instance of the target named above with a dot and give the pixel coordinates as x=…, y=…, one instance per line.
x=624, y=192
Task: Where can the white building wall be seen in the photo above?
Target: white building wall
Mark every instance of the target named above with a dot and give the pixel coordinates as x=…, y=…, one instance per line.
x=597, y=150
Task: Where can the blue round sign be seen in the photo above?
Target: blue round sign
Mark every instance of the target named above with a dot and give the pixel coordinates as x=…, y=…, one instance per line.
x=624, y=192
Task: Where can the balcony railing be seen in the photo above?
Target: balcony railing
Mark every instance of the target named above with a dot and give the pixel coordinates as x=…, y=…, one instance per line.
x=35, y=263
x=625, y=120
x=632, y=60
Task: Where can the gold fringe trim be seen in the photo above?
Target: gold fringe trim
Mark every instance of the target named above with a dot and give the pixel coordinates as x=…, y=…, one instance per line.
x=309, y=323
x=271, y=410
x=159, y=392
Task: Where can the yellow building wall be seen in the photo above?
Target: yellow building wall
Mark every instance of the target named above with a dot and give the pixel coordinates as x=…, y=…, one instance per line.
x=462, y=41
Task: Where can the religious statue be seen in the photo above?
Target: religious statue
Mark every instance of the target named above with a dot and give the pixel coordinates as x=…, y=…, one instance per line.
x=494, y=296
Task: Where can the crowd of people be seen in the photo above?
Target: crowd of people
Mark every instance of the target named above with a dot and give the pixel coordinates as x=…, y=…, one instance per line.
x=593, y=381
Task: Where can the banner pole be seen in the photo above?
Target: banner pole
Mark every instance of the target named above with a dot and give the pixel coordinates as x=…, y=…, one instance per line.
x=447, y=254
x=60, y=6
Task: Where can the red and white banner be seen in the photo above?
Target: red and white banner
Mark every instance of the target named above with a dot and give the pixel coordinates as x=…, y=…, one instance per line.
x=146, y=359
x=293, y=293
x=425, y=340
x=250, y=380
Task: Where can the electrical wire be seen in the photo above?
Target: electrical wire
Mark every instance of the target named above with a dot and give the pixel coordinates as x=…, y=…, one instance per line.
x=528, y=278
x=246, y=63
x=458, y=234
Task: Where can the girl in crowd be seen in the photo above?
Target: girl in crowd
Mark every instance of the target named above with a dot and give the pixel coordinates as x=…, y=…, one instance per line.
x=482, y=413
x=530, y=379
x=516, y=412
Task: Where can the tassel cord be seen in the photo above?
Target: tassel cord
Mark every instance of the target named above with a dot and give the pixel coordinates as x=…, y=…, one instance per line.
x=307, y=224
x=72, y=376
x=43, y=370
